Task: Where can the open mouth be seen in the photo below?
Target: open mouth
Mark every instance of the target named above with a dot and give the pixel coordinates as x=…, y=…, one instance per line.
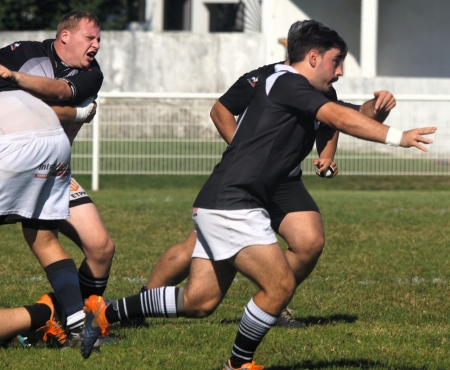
x=91, y=54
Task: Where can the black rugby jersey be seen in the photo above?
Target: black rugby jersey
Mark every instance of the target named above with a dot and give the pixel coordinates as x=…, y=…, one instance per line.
x=240, y=94
x=275, y=134
x=40, y=59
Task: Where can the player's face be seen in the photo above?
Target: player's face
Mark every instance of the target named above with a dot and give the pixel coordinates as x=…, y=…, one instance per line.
x=328, y=70
x=83, y=44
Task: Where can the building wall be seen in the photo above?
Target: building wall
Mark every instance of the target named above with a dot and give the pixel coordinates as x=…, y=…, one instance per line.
x=413, y=38
x=208, y=63
x=412, y=34
x=169, y=62
x=347, y=24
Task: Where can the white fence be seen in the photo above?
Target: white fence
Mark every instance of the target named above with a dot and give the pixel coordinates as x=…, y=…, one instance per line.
x=138, y=133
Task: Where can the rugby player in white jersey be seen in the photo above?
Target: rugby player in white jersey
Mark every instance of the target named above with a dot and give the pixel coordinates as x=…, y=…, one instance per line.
x=64, y=73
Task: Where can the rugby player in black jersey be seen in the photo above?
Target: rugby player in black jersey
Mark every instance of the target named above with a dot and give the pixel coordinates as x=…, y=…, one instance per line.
x=230, y=211
x=63, y=72
x=294, y=214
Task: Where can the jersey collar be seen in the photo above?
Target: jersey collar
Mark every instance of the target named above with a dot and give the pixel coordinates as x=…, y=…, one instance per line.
x=284, y=67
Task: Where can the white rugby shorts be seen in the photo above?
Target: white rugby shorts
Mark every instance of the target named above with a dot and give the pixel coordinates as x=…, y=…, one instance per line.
x=35, y=174
x=221, y=234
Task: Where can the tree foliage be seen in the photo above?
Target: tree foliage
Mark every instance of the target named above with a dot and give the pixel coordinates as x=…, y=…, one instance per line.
x=32, y=15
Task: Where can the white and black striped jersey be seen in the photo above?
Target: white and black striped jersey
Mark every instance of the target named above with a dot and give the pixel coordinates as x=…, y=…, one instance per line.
x=40, y=59
x=275, y=133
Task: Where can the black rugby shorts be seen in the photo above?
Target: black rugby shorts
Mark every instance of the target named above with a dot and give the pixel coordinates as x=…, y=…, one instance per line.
x=290, y=196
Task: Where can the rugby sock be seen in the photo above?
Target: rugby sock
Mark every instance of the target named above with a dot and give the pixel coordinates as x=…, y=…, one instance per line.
x=158, y=302
x=90, y=285
x=255, y=324
x=63, y=277
x=39, y=314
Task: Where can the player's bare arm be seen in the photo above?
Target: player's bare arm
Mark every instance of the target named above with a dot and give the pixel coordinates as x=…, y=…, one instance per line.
x=326, y=143
x=44, y=88
x=377, y=108
x=380, y=106
x=358, y=125
x=224, y=121
x=68, y=114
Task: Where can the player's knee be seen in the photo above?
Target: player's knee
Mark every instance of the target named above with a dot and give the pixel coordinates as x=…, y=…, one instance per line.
x=103, y=250
x=310, y=246
x=200, y=308
x=110, y=248
x=288, y=285
x=282, y=290
x=315, y=246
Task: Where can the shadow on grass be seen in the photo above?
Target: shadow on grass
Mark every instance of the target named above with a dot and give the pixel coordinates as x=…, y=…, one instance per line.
x=328, y=320
x=134, y=323
x=357, y=363
x=308, y=321
x=311, y=320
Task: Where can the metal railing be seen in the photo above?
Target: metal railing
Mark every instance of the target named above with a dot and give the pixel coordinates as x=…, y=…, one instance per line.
x=154, y=133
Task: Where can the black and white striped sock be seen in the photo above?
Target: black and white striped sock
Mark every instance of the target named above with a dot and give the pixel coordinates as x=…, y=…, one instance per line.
x=255, y=324
x=158, y=302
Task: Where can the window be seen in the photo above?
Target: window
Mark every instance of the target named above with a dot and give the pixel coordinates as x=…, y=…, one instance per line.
x=177, y=15
x=226, y=17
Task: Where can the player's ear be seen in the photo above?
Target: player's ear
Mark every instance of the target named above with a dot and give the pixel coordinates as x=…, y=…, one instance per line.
x=64, y=36
x=313, y=56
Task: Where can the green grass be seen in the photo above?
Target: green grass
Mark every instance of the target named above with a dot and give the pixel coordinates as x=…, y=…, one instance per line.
x=378, y=298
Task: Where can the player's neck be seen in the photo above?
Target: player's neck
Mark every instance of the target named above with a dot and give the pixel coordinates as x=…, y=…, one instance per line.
x=59, y=50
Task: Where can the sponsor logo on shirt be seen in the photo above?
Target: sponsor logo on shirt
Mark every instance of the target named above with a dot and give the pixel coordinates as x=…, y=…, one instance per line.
x=15, y=46
x=60, y=169
x=78, y=195
x=76, y=191
x=252, y=81
x=74, y=185
x=194, y=211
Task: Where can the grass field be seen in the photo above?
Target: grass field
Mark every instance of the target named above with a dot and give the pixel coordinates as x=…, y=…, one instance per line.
x=378, y=298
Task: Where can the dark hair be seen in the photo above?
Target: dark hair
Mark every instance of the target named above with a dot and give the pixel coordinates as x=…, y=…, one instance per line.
x=310, y=34
x=71, y=20
x=295, y=27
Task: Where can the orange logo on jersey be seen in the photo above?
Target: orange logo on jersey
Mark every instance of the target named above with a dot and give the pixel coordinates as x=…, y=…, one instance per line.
x=74, y=186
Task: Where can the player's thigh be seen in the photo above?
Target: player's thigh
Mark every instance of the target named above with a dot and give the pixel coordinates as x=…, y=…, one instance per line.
x=266, y=266
x=208, y=283
x=45, y=245
x=85, y=227
x=302, y=230
x=189, y=243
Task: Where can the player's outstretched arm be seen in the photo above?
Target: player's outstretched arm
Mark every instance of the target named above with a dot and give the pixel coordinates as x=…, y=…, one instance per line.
x=44, y=88
x=415, y=138
x=224, y=121
x=358, y=125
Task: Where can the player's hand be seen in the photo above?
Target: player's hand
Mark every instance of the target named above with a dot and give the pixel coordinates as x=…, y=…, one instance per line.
x=325, y=167
x=384, y=101
x=6, y=73
x=414, y=138
x=93, y=112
